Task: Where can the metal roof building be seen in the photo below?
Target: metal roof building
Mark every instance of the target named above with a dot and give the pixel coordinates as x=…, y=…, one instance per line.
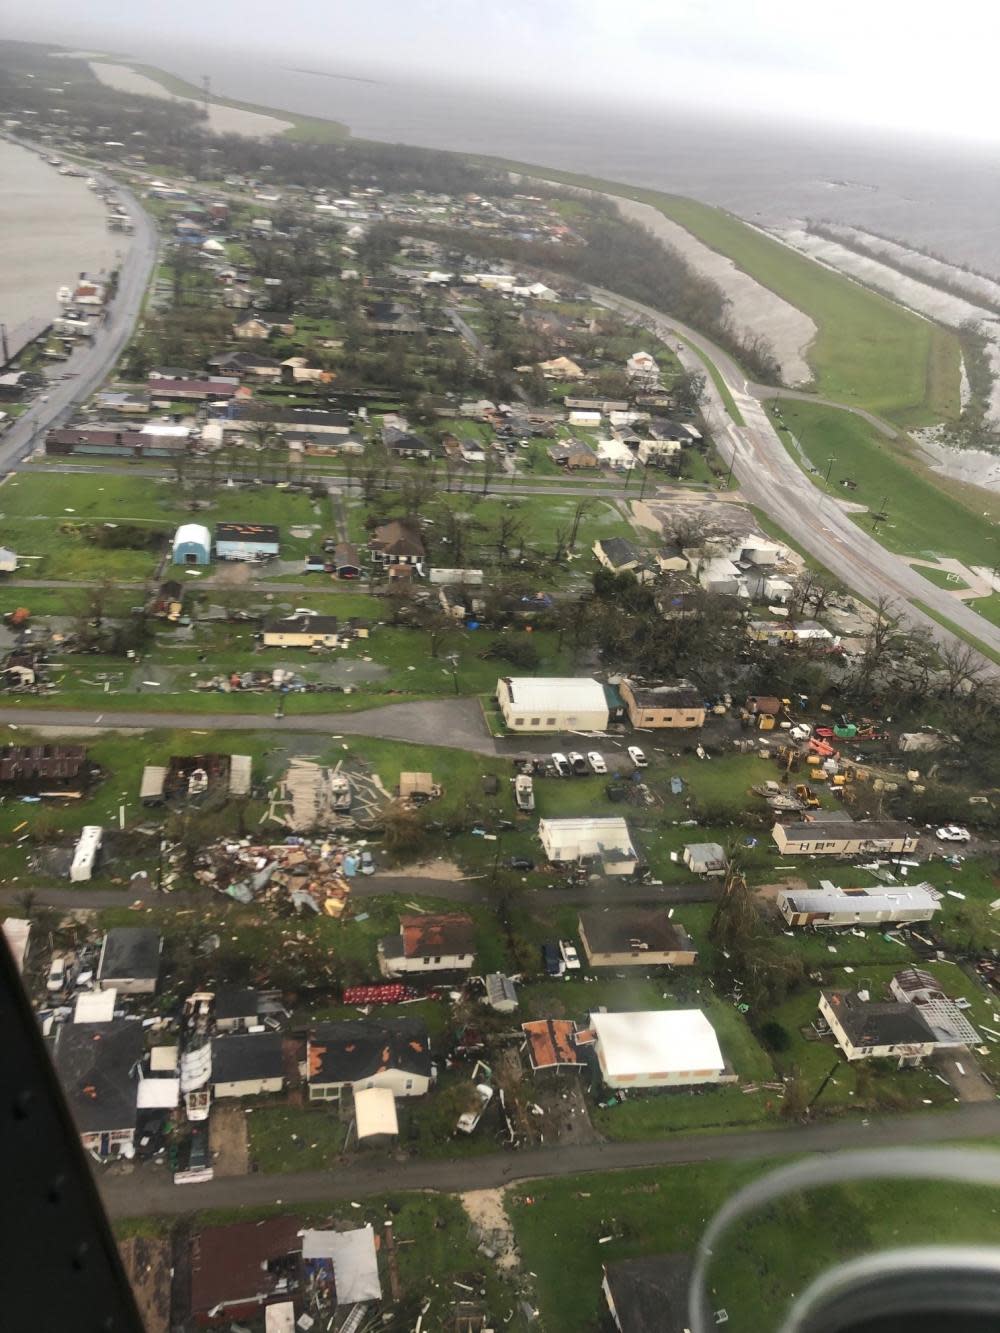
x=552, y=703
x=657, y=1049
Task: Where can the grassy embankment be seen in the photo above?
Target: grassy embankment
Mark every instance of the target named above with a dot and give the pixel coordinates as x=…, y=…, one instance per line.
x=868, y=350
x=929, y=516
x=308, y=129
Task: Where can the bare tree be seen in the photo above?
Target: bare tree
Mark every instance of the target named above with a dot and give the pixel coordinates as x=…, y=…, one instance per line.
x=584, y=509
x=508, y=532
x=961, y=667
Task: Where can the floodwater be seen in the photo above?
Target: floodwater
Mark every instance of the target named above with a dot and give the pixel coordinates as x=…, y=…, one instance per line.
x=53, y=229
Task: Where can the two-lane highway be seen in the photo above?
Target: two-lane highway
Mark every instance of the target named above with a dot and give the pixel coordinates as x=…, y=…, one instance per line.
x=92, y=360
x=820, y=523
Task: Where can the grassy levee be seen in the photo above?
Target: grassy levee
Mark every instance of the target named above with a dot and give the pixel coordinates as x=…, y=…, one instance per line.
x=928, y=515
x=868, y=350
x=309, y=129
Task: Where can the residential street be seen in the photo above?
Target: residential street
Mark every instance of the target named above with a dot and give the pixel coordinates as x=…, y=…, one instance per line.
x=455, y=724
x=149, y=1190
x=472, y=890
x=770, y=479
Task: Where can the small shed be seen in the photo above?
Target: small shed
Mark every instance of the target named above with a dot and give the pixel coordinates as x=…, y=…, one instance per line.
x=154, y=777
x=705, y=858
x=501, y=993
x=163, y=1060
x=417, y=787
x=95, y=1006
x=192, y=545
x=375, y=1115
x=130, y=960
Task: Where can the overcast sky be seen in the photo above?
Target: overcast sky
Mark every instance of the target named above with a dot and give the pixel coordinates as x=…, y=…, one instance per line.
x=904, y=64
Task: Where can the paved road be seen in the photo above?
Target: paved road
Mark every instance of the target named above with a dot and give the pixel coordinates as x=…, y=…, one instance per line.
x=90, y=363
x=455, y=724
x=148, y=1190
x=820, y=523
x=766, y=392
x=474, y=890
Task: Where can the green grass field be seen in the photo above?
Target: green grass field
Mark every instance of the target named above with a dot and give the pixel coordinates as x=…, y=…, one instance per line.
x=987, y=607
x=567, y=1229
x=941, y=578
x=927, y=515
x=970, y=639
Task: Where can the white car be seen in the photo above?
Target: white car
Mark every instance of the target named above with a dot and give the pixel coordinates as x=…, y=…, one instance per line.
x=637, y=757
x=561, y=764
x=596, y=762
x=57, y=974
x=569, y=955
x=952, y=833
x=470, y=1119
x=577, y=763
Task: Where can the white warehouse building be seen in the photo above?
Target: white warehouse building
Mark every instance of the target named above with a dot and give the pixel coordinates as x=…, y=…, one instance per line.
x=605, y=839
x=660, y=1048
x=552, y=703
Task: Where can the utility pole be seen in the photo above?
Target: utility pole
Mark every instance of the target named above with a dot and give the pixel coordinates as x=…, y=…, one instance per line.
x=829, y=467
x=822, y=1086
x=645, y=478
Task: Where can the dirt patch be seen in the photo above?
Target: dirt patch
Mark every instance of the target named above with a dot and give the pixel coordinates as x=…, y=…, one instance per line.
x=147, y=1266
x=231, y=574
x=229, y=1141
x=565, y=1117
x=767, y=893
x=486, y=1212
x=437, y=869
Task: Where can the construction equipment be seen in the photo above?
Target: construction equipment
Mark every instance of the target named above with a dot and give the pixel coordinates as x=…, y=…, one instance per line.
x=807, y=796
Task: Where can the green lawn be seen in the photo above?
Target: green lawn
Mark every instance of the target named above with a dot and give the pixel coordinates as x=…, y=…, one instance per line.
x=927, y=516
x=568, y=1228
x=295, y=1138
x=47, y=514
x=987, y=607
x=958, y=631
x=941, y=578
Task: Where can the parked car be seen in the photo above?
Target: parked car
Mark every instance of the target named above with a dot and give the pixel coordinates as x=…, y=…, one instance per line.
x=953, y=833
x=468, y=1121
x=367, y=864
x=562, y=765
x=637, y=757
x=577, y=763
x=552, y=960
x=596, y=762
x=521, y=863
x=57, y=977
x=570, y=957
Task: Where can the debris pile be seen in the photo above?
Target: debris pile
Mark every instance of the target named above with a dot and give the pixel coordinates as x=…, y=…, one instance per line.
x=298, y=873
x=310, y=797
